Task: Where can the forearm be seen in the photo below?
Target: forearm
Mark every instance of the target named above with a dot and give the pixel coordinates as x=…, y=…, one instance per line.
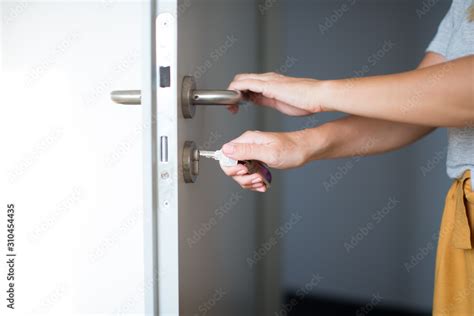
x=358, y=136
x=440, y=95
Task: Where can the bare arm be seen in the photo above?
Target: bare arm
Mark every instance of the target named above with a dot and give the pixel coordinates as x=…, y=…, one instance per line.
x=360, y=136
x=440, y=95
x=355, y=135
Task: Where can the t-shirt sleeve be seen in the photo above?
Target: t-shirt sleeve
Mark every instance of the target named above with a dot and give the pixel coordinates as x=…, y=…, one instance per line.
x=440, y=42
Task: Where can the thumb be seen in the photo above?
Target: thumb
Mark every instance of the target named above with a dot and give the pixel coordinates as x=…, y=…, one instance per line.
x=246, y=151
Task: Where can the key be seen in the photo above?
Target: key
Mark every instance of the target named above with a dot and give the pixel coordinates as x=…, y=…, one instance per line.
x=218, y=155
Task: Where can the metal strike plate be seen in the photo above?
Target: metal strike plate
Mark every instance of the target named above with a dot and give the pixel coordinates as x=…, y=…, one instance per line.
x=190, y=162
x=190, y=97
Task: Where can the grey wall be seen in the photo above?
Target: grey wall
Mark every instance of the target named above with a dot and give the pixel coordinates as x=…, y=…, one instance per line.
x=330, y=217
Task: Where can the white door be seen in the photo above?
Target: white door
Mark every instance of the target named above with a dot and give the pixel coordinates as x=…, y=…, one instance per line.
x=72, y=160
x=207, y=229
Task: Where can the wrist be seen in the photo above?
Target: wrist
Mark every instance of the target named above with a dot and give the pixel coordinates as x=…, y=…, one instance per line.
x=314, y=143
x=326, y=91
x=323, y=89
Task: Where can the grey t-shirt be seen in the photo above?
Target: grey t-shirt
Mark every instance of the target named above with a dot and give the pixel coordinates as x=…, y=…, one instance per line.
x=455, y=39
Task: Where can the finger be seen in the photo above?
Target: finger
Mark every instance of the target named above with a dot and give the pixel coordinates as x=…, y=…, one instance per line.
x=233, y=108
x=250, y=137
x=260, y=189
x=257, y=185
x=248, y=180
x=278, y=105
x=249, y=84
x=258, y=98
x=271, y=89
x=262, y=76
x=257, y=180
x=286, y=93
x=235, y=170
x=247, y=151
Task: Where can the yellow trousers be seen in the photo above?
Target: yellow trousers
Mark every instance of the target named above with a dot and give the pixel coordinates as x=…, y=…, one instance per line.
x=454, y=274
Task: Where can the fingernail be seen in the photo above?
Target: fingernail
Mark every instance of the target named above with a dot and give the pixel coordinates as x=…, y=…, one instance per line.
x=262, y=189
x=241, y=172
x=257, y=180
x=228, y=148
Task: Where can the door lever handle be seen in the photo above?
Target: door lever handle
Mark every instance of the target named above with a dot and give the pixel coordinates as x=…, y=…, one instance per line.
x=190, y=97
x=216, y=97
x=126, y=96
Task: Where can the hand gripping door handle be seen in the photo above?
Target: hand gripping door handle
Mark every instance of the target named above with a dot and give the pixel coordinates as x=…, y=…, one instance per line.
x=190, y=97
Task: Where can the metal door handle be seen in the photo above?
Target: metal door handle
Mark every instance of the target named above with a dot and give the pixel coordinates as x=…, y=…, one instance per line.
x=126, y=96
x=216, y=97
x=190, y=97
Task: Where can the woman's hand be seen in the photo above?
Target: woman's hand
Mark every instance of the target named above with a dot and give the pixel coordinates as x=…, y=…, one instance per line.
x=277, y=150
x=291, y=96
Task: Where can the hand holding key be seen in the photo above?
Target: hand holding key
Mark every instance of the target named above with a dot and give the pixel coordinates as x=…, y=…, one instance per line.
x=254, y=168
x=277, y=150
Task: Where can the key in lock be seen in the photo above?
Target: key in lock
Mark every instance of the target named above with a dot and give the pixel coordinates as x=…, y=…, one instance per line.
x=191, y=155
